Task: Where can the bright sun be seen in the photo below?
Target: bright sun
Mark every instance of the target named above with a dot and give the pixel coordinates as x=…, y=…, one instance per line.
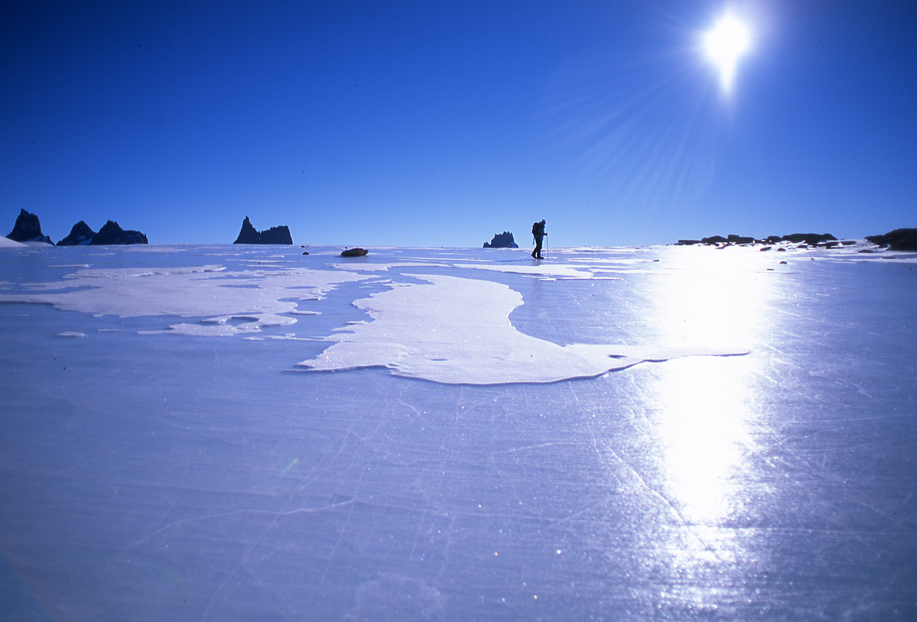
x=724, y=44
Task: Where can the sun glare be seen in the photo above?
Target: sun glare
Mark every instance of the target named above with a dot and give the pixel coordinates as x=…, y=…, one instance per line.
x=724, y=44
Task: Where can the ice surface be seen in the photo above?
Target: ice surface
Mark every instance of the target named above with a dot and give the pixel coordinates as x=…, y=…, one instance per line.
x=150, y=474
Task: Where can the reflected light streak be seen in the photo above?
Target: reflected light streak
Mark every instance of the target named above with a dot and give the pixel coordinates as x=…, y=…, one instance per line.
x=704, y=432
x=713, y=297
x=705, y=407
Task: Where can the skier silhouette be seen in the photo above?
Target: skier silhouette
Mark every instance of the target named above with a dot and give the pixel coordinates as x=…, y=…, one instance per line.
x=538, y=233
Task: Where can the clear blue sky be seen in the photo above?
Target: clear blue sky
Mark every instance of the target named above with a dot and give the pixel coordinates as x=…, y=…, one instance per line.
x=442, y=123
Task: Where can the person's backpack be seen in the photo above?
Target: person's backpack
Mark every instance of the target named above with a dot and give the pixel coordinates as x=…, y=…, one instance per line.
x=536, y=228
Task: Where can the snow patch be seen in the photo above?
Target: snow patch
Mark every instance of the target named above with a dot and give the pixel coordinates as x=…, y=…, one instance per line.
x=457, y=331
x=206, y=291
x=225, y=326
x=543, y=270
x=8, y=243
x=382, y=267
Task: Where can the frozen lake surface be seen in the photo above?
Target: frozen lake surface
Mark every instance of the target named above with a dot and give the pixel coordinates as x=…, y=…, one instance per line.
x=666, y=433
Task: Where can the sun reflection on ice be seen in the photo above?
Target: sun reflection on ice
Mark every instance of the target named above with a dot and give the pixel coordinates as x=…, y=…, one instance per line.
x=705, y=410
x=713, y=298
x=705, y=420
x=704, y=429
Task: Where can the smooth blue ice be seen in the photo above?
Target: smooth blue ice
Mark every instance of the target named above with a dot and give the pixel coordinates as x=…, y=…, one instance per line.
x=160, y=458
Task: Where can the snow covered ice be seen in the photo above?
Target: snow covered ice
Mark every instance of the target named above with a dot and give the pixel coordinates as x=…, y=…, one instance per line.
x=666, y=433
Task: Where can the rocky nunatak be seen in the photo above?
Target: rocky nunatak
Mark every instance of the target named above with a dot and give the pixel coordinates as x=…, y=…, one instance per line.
x=112, y=233
x=28, y=229
x=274, y=235
x=502, y=240
x=897, y=240
x=80, y=234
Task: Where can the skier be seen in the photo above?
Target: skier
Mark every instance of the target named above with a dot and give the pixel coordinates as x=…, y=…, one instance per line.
x=538, y=233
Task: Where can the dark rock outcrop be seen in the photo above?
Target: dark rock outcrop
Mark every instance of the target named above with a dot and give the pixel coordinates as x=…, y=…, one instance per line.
x=354, y=252
x=112, y=233
x=502, y=240
x=28, y=229
x=716, y=239
x=79, y=234
x=248, y=234
x=897, y=240
x=812, y=239
x=274, y=235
